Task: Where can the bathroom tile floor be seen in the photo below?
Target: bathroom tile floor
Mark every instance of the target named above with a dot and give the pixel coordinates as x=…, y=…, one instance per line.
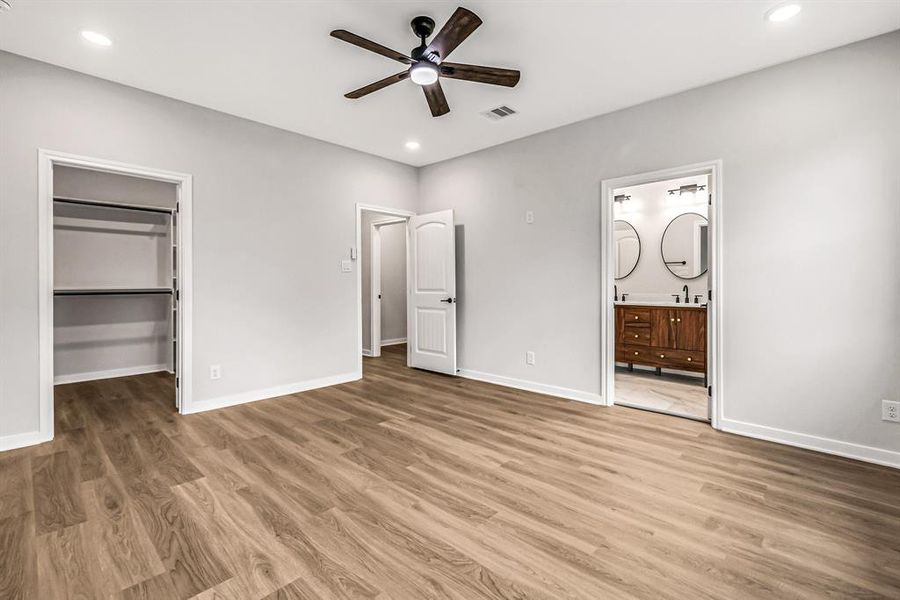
x=679, y=394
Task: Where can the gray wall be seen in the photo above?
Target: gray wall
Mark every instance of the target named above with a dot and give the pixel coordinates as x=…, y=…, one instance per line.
x=393, y=278
x=97, y=336
x=274, y=214
x=811, y=212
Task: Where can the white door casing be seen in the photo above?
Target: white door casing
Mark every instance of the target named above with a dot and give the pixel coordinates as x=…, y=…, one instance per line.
x=431, y=312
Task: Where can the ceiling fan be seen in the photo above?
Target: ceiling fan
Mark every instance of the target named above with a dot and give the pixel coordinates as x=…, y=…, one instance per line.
x=427, y=61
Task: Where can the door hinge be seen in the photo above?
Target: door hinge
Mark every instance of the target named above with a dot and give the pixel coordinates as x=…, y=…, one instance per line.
x=177, y=382
x=710, y=198
x=709, y=391
x=177, y=295
x=709, y=296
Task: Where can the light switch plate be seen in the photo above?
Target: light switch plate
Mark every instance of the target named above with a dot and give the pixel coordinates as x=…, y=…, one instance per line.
x=529, y=358
x=346, y=266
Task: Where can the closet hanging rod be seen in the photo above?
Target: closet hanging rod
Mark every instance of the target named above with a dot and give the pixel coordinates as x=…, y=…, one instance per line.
x=102, y=204
x=111, y=291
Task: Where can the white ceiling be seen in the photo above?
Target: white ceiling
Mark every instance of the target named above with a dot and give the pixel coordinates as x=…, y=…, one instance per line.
x=274, y=62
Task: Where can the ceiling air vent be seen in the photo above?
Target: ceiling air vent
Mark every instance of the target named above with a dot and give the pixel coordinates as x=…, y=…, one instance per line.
x=501, y=112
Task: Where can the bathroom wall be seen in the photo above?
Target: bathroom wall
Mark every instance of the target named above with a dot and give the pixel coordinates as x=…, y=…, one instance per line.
x=649, y=211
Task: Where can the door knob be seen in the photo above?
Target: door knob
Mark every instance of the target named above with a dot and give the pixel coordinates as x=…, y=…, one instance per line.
x=448, y=300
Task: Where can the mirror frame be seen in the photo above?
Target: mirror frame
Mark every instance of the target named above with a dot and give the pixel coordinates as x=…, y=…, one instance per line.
x=662, y=239
x=640, y=248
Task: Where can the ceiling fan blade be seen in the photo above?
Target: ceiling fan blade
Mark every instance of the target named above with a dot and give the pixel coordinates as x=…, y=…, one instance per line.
x=491, y=75
x=437, y=102
x=352, y=38
x=374, y=87
x=460, y=25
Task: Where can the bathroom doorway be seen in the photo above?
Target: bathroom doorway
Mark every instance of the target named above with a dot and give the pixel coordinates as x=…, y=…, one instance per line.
x=660, y=350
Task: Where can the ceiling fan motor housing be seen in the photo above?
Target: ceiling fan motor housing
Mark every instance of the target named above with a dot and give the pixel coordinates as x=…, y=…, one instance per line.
x=422, y=27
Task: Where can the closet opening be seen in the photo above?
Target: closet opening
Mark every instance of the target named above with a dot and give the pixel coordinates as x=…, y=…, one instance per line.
x=115, y=287
x=661, y=334
x=383, y=272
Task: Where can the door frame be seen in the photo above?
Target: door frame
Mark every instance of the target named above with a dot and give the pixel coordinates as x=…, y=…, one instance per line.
x=715, y=337
x=375, y=281
x=390, y=212
x=47, y=160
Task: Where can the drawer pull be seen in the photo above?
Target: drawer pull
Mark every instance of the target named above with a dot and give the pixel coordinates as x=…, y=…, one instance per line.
x=635, y=353
x=636, y=317
x=662, y=355
x=636, y=336
x=679, y=320
x=672, y=319
x=689, y=359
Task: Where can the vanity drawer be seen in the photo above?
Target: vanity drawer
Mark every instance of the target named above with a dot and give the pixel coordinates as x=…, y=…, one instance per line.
x=679, y=359
x=637, y=334
x=628, y=353
x=636, y=316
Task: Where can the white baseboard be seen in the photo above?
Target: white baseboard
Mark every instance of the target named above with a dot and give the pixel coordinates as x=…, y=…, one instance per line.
x=532, y=386
x=109, y=374
x=273, y=392
x=879, y=456
x=366, y=352
x=20, y=440
x=393, y=342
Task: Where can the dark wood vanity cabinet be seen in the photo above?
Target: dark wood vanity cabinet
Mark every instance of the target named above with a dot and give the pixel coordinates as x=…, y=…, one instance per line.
x=663, y=337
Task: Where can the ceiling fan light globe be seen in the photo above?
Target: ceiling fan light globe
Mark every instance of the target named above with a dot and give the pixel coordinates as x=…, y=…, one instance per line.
x=424, y=73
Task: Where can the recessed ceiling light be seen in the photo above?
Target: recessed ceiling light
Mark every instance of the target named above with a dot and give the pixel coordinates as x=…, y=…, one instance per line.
x=96, y=38
x=782, y=12
x=412, y=145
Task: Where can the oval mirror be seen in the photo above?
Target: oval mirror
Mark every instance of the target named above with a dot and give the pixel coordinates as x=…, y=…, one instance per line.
x=685, y=246
x=628, y=248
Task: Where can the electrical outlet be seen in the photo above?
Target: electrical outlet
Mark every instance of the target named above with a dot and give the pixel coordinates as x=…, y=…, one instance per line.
x=529, y=216
x=346, y=266
x=890, y=411
x=529, y=358
x=215, y=371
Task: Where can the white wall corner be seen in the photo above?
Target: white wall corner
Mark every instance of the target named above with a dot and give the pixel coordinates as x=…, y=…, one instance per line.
x=533, y=386
x=273, y=392
x=878, y=456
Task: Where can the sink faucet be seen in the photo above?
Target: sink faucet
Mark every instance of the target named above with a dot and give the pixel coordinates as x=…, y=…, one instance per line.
x=687, y=297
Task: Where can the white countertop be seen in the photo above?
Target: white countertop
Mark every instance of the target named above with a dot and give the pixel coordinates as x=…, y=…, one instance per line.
x=669, y=303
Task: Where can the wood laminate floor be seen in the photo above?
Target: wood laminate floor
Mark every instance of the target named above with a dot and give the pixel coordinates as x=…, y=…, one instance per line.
x=414, y=485
x=671, y=392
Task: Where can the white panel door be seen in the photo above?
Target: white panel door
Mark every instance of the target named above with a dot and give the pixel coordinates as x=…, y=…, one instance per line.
x=431, y=312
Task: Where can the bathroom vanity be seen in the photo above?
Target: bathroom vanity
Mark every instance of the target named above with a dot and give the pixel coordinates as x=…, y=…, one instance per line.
x=662, y=335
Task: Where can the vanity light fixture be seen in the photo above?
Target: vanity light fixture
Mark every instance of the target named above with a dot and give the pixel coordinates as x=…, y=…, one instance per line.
x=692, y=188
x=621, y=198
